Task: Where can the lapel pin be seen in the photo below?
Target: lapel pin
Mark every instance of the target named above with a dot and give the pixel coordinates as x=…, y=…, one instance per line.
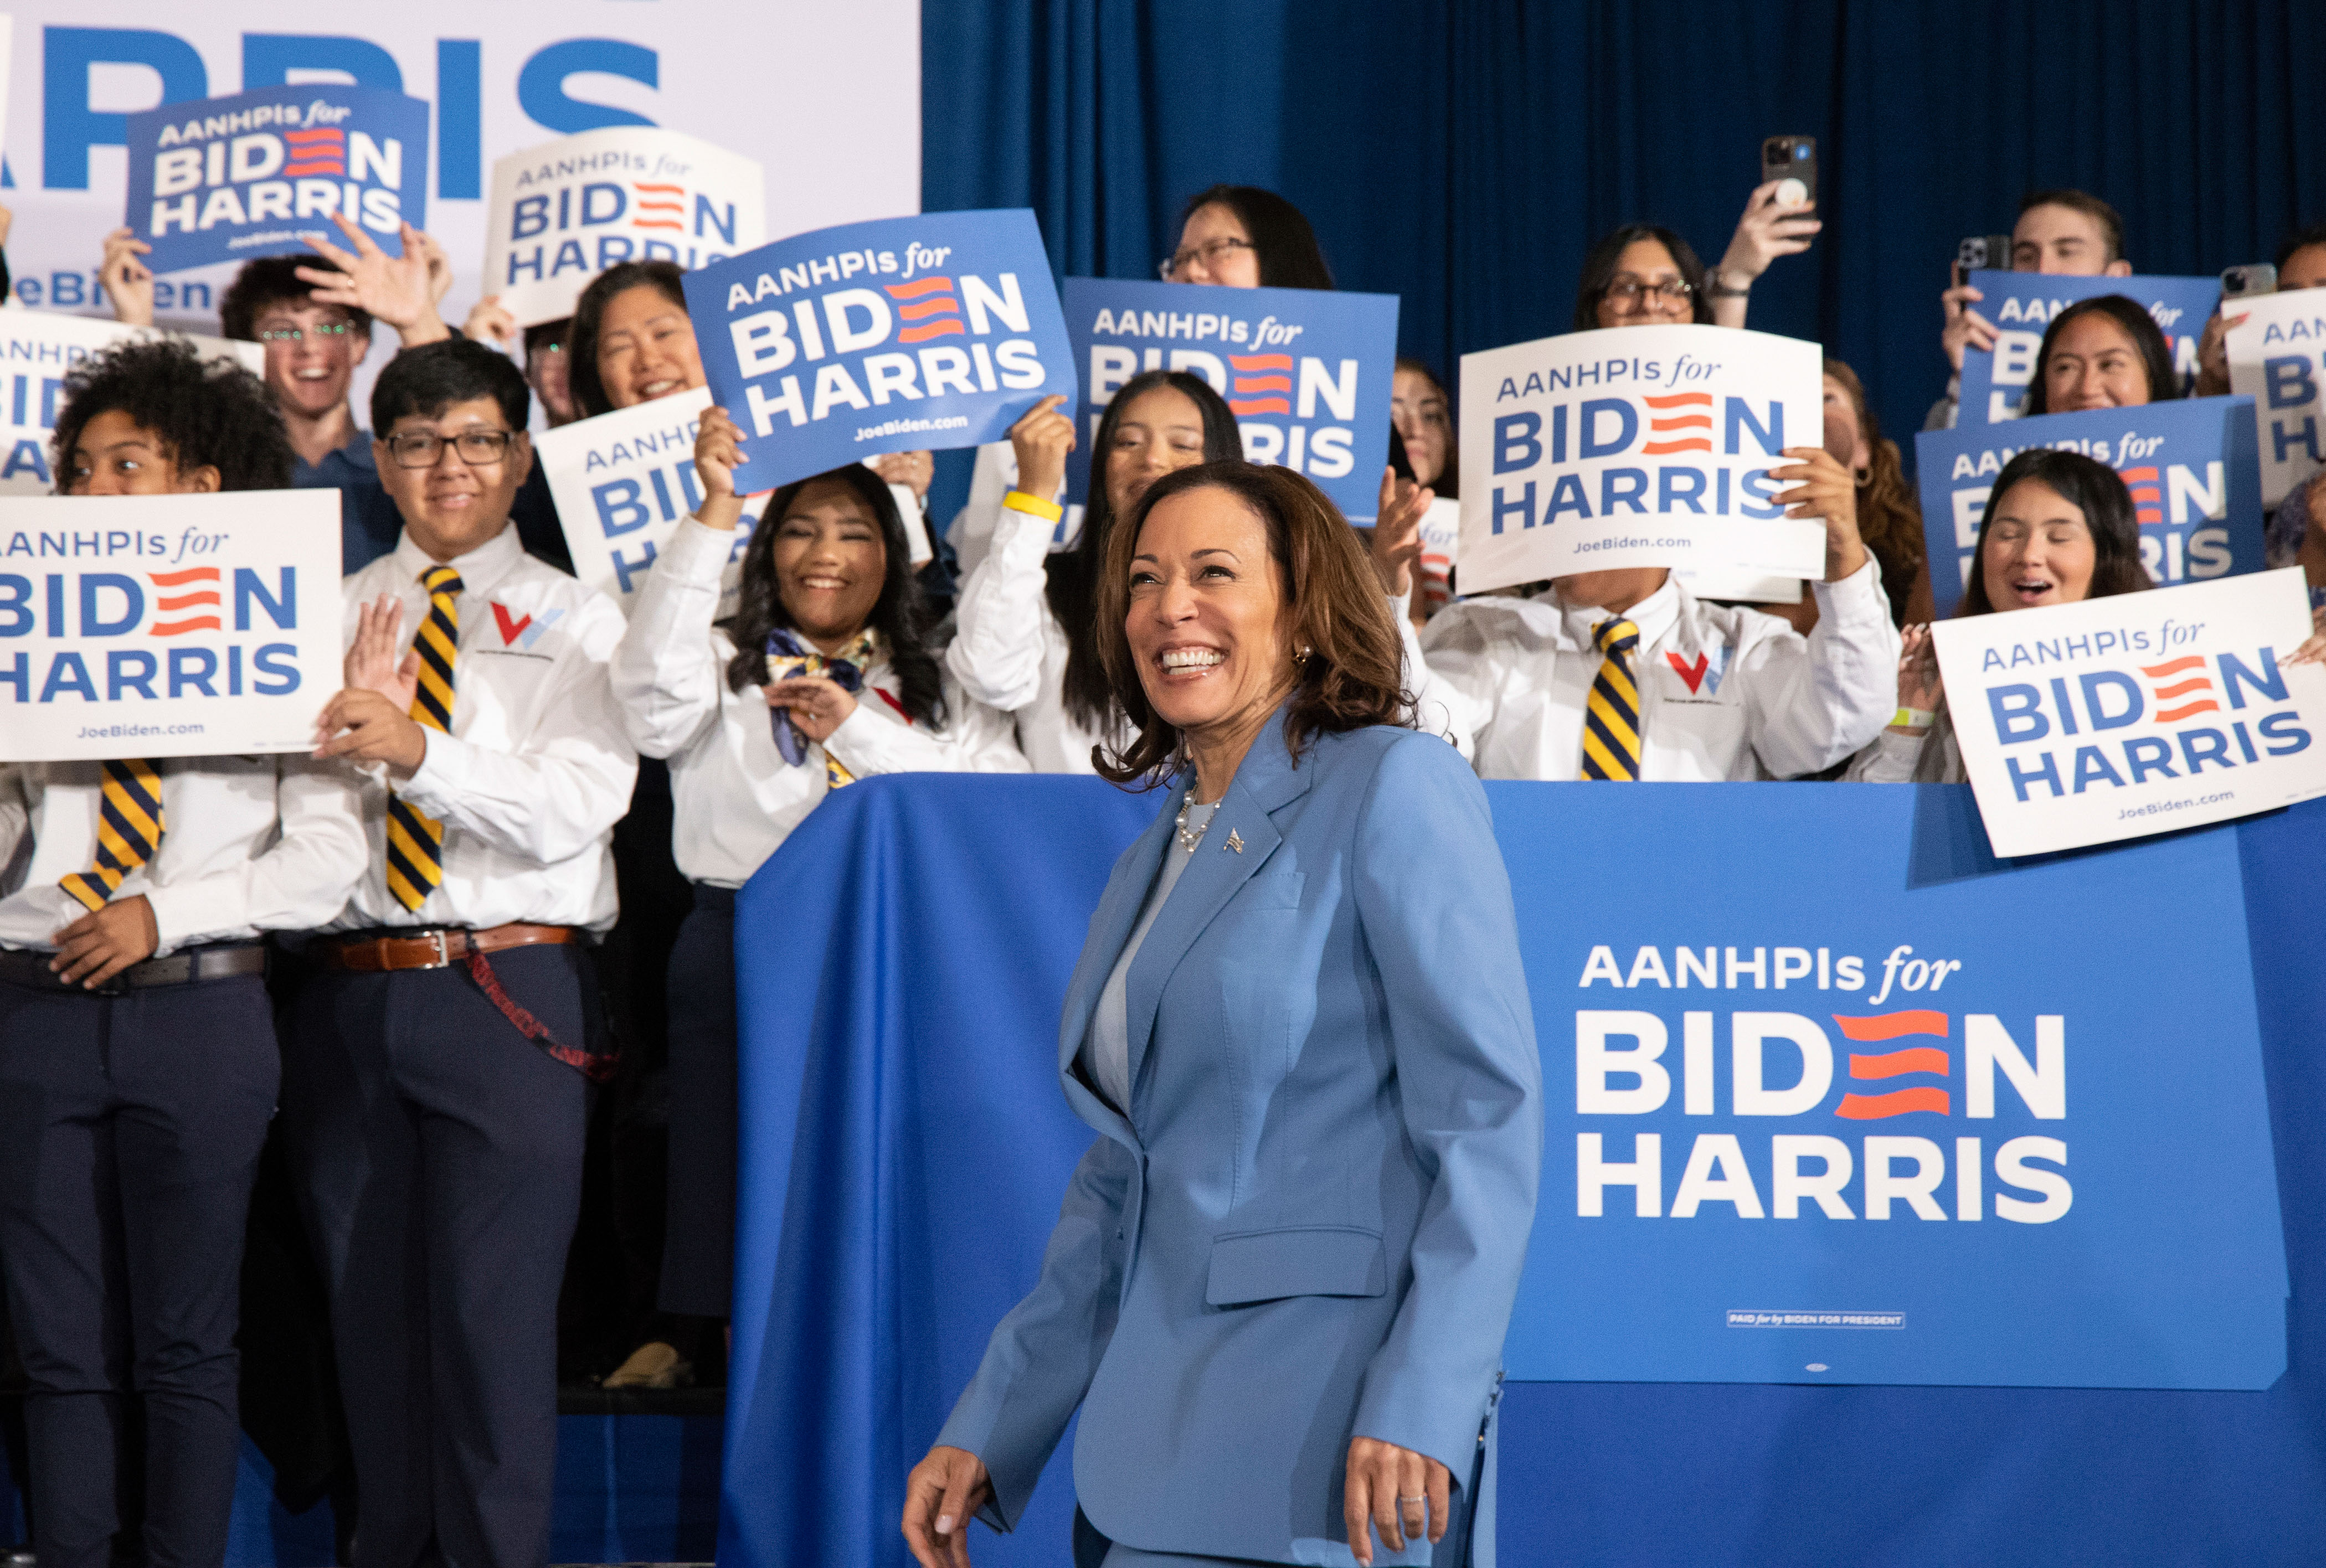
x=1235, y=840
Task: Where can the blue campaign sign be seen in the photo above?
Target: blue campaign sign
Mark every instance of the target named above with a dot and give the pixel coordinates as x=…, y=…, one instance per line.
x=1307, y=372
x=1850, y=1126
x=2193, y=467
x=2020, y=306
x=899, y=335
x=261, y=172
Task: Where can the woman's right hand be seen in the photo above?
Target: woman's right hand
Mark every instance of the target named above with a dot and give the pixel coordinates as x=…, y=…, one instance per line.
x=943, y=1492
x=490, y=321
x=718, y=453
x=1042, y=440
x=127, y=282
x=2213, y=355
x=1395, y=542
x=1918, y=675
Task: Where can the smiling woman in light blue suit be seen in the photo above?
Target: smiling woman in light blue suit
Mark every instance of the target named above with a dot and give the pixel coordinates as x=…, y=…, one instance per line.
x=1281, y=1275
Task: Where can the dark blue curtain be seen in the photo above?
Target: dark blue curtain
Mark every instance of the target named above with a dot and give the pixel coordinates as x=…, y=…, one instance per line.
x=1465, y=155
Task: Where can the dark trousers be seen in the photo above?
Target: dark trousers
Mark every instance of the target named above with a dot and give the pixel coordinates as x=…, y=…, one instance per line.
x=698, y=1258
x=130, y=1129
x=439, y=1157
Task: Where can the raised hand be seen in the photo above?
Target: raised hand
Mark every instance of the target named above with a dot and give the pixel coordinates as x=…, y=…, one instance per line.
x=718, y=453
x=489, y=322
x=1042, y=437
x=127, y=282
x=1396, y=541
x=1828, y=491
x=372, y=664
x=1919, y=686
x=396, y=289
x=1965, y=328
x=1767, y=230
x=914, y=470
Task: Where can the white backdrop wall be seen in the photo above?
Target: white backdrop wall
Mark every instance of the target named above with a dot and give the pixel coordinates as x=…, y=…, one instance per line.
x=827, y=98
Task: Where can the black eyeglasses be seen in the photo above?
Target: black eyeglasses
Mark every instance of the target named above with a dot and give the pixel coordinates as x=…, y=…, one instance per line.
x=478, y=448
x=1211, y=253
x=1629, y=293
x=296, y=334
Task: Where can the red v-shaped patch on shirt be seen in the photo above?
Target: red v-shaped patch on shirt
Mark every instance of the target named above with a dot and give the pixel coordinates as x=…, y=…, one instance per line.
x=511, y=630
x=1691, y=674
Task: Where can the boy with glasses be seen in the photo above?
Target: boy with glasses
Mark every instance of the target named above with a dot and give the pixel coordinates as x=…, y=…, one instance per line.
x=435, y=1090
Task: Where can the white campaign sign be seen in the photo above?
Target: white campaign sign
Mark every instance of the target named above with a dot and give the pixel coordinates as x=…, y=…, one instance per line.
x=623, y=481
x=1441, y=547
x=565, y=211
x=2277, y=356
x=166, y=626
x=2137, y=714
x=1641, y=445
x=37, y=347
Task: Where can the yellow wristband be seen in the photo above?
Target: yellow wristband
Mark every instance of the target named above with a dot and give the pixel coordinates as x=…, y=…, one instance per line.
x=1033, y=506
x=1913, y=718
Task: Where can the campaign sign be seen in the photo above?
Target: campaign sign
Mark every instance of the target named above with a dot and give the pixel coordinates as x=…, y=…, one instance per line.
x=2189, y=464
x=2277, y=357
x=1306, y=371
x=2135, y=714
x=261, y=172
x=1874, y=1114
x=1441, y=546
x=2020, y=306
x=1637, y=446
x=622, y=481
x=36, y=349
x=166, y=626
x=565, y=211
x=903, y=334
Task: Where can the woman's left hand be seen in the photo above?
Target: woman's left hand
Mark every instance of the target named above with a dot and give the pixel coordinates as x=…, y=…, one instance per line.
x=818, y=706
x=1828, y=492
x=914, y=470
x=2312, y=650
x=1766, y=231
x=1395, y=543
x=1388, y=1489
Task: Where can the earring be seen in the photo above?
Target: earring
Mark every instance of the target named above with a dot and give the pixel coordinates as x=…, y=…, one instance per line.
x=1300, y=658
x=1861, y=476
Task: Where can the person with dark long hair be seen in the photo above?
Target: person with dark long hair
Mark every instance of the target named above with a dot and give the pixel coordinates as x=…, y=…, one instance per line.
x=2102, y=353
x=1299, y=1028
x=1026, y=638
x=823, y=676
x=1245, y=237
x=138, y=1059
x=1889, y=517
x=2060, y=528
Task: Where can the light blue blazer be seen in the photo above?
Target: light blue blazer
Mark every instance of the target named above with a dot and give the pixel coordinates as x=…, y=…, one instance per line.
x=1311, y=1225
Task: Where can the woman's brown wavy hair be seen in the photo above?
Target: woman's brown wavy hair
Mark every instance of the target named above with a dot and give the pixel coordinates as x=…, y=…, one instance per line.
x=1354, y=672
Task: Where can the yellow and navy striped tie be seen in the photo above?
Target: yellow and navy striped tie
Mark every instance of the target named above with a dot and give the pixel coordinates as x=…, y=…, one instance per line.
x=129, y=829
x=415, y=843
x=1611, y=722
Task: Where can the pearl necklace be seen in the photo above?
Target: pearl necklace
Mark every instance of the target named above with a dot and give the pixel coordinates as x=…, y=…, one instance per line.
x=1188, y=839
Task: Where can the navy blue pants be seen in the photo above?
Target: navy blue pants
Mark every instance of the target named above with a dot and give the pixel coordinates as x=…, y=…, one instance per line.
x=130, y=1129
x=438, y=1152
x=698, y=1255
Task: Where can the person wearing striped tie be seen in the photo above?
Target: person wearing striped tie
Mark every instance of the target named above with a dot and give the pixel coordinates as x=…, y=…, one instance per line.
x=138, y=1066
x=1628, y=676
x=821, y=677
x=436, y=1088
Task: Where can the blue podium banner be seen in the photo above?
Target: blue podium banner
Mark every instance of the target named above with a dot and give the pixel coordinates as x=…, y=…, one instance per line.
x=2096, y=1022
x=903, y=334
x=262, y=173
x=2020, y=306
x=1307, y=372
x=2192, y=467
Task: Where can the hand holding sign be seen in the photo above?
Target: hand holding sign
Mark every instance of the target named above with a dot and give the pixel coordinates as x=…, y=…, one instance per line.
x=718, y=453
x=1965, y=328
x=1042, y=441
x=396, y=289
x=1827, y=492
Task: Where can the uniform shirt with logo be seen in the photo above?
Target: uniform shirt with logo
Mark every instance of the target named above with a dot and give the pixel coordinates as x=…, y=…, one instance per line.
x=535, y=771
x=1726, y=693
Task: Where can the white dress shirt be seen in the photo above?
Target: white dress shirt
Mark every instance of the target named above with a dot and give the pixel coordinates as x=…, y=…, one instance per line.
x=535, y=771
x=1008, y=651
x=735, y=796
x=249, y=844
x=1725, y=692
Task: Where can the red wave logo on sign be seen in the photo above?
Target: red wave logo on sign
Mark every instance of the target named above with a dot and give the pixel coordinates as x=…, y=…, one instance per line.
x=2159, y=675
x=1697, y=414
x=1883, y=1026
x=931, y=304
x=171, y=604
x=1260, y=372
x=2146, y=497
x=655, y=201
x=323, y=152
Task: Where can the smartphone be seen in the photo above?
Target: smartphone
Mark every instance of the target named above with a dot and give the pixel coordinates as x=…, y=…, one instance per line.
x=2253, y=278
x=1790, y=158
x=1991, y=251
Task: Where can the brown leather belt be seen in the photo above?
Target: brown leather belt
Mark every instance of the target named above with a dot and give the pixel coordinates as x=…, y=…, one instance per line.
x=435, y=947
x=25, y=967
